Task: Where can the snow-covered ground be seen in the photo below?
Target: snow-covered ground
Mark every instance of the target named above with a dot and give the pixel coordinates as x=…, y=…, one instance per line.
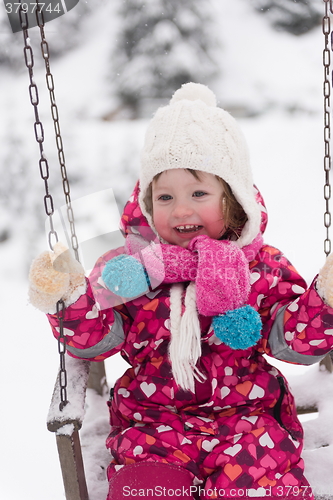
x=275, y=73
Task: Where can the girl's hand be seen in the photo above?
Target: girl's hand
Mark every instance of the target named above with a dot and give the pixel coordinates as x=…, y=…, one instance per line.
x=54, y=276
x=223, y=277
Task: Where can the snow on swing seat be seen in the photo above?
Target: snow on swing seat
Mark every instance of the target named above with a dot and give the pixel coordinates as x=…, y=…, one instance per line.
x=73, y=413
x=312, y=390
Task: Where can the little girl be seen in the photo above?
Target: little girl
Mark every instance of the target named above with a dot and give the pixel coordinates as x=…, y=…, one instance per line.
x=192, y=301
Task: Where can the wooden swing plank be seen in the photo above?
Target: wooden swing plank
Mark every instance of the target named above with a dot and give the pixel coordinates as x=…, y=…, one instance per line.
x=70, y=456
x=66, y=423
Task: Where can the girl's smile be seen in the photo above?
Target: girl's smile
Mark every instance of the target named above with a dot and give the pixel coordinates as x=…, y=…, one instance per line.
x=185, y=206
x=188, y=228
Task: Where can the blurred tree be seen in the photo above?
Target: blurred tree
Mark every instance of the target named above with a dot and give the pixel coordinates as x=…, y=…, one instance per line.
x=162, y=45
x=295, y=16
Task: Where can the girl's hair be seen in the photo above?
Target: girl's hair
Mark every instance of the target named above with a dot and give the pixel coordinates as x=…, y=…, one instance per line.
x=234, y=216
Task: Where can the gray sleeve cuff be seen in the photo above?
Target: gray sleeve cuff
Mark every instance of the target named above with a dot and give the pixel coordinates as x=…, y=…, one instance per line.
x=279, y=347
x=113, y=339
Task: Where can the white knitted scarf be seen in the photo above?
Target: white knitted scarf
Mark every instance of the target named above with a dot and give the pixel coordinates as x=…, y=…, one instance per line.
x=185, y=345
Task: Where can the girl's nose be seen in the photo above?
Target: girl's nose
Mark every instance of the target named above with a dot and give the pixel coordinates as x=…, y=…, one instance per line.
x=181, y=210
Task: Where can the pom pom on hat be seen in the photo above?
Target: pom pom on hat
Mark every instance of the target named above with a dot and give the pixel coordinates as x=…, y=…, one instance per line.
x=194, y=91
x=239, y=328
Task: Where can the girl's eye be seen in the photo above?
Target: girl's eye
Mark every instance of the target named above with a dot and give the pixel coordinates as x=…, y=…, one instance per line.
x=164, y=197
x=198, y=194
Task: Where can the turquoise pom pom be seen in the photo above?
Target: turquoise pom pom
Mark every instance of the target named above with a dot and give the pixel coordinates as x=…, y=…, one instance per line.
x=125, y=276
x=240, y=328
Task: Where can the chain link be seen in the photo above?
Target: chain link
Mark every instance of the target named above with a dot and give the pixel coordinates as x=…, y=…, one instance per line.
x=326, y=24
x=48, y=200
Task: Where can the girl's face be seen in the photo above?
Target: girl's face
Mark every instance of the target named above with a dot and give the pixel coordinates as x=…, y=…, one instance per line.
x=185, y=207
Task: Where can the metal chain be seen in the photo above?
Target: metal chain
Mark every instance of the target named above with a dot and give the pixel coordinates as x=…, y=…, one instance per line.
x=48, y=200
x=62, y=352
x=38, y=126
x=55, y=117
x=327, y=123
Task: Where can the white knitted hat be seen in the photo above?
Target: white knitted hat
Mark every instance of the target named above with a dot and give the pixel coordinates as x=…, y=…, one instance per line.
x=192, y=132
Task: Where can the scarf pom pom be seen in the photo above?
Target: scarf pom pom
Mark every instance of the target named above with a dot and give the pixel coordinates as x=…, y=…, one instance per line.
x=239, y=328
x=125, y=276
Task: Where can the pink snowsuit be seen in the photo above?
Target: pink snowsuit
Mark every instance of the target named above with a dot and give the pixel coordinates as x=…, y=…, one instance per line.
x=239, y=432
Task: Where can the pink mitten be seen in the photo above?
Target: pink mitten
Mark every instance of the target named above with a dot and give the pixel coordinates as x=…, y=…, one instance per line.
x=223, y=278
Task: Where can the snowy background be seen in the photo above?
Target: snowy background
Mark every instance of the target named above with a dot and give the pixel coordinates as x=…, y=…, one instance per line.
x=269, y=78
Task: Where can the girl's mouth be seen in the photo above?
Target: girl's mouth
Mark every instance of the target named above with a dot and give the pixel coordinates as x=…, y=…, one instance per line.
x=188, y=228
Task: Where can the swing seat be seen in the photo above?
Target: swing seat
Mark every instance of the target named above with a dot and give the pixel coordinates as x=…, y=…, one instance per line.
x=81, y=375
x=67, y=423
